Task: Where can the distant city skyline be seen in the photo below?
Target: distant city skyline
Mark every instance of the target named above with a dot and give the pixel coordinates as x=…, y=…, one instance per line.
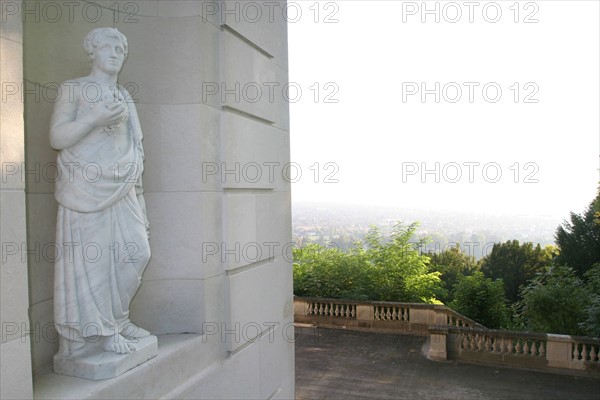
x=341, y=226
x=497, y=116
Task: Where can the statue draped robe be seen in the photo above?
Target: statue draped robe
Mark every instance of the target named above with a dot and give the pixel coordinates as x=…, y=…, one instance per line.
x=101, y=229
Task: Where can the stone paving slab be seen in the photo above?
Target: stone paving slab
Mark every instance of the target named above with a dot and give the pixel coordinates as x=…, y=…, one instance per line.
x=343, y=364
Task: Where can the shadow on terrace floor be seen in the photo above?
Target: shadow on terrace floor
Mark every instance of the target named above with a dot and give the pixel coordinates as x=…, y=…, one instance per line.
x=340, y=364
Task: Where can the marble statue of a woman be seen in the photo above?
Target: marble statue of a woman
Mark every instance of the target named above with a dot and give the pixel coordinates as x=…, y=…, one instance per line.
x=101, y=224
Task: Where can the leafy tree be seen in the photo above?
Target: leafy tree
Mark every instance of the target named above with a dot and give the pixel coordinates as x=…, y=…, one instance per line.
x=591, y=323
x=453, y=264
x=399, y=272
x=481, y=299
x=579, y=239
x=555, y=302
x=375, y=270
x=516, y=264
x=328, y=272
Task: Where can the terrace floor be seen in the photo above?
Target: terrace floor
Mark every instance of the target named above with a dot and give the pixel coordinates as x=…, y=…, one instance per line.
x=343, y=364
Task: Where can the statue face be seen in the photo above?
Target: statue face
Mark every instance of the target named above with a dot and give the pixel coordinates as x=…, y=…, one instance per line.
x=109, y=55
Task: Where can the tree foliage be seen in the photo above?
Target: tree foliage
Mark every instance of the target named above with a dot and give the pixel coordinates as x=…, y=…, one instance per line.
x=579, y=239
x=555, y=302
x=591, y=323
x=373, y=270
x=481, y=299
x=452, y=264
x=516, y=264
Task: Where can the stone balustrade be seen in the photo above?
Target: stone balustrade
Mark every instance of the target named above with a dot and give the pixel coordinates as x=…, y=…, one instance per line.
x=452, y=336
x=411, y=318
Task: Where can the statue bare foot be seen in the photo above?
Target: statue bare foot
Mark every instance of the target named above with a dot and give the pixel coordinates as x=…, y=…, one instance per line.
x=118, y=344
x=132, y=331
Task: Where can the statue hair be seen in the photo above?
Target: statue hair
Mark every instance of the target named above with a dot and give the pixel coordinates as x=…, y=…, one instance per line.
x=96, y=36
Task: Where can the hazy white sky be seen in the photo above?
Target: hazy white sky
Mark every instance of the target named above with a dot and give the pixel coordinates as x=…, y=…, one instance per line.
x=541, y=132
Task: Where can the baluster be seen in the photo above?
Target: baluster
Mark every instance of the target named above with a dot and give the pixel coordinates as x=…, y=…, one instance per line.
x=465, y=341
x=542, y=349
x=388, y=314
x=518, y=347
x=533, y=348
x=488, y=343
x=474, y=342
x=406, y=314
x=575, y=351
x=584, y=352
x=353, y=311
x=509, y=346
x=496, y=345
x=337, y=311
x=525, y=347
x=593, y=354
x=310, y=308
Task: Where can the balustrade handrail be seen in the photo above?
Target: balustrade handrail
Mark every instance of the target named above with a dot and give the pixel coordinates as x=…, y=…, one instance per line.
x=462, y=317
x=437, y=307
x=365, y=302
x=584, y=339
x=498, y=332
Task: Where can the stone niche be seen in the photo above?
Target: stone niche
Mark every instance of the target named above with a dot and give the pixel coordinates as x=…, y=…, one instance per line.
x=220, y=317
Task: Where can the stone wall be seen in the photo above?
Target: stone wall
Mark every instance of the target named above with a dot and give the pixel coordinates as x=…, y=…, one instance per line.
x=220, y=266
x=14, y=348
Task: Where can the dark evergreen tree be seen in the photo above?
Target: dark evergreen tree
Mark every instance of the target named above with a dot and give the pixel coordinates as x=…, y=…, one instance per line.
x=579, y=239
x=516, y=264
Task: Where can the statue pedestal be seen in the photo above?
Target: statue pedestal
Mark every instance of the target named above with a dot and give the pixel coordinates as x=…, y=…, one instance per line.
x=92, y=362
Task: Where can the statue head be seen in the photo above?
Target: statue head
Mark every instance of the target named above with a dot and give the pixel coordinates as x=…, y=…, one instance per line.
x=100, y=35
